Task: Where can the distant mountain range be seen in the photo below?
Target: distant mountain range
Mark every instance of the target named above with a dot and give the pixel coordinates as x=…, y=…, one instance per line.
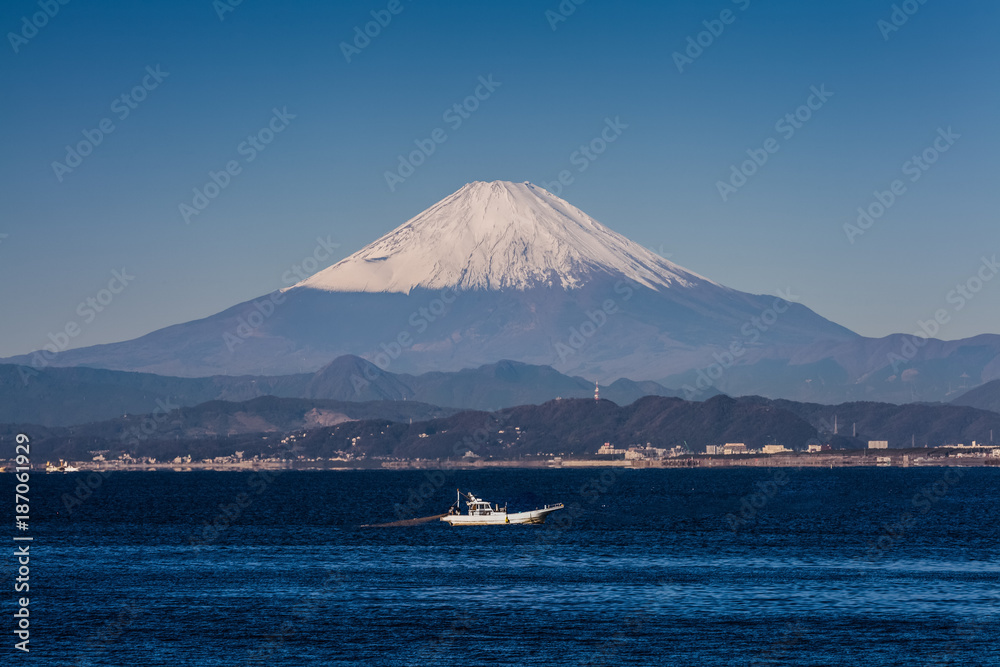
x=507, y=270
x=66, y=396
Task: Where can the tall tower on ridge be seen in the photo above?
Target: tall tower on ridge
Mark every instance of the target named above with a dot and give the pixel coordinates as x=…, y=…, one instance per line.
x=597, y=392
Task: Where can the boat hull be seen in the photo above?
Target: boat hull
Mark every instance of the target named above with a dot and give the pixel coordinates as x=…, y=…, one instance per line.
x=501, y=518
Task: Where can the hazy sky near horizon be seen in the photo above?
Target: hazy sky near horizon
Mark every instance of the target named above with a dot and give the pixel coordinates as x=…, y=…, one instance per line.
x=184, y=85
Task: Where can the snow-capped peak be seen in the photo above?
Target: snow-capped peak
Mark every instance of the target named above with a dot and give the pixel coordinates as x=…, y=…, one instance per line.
x=498, y=236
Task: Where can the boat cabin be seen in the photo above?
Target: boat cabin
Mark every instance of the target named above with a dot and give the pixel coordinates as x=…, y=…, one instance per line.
x=479, y=507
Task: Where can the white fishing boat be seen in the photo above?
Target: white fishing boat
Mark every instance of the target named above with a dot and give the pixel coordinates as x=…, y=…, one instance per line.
x=482, y=513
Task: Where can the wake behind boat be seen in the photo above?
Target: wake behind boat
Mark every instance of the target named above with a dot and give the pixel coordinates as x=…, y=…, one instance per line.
x=482, y=513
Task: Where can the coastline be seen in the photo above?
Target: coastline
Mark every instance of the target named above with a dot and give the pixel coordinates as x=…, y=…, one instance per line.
x=846, y=459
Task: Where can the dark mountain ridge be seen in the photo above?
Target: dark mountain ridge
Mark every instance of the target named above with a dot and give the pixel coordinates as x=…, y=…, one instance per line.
x=566, y=427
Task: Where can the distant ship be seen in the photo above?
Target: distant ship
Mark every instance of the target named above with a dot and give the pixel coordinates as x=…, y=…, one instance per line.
x=482, y=513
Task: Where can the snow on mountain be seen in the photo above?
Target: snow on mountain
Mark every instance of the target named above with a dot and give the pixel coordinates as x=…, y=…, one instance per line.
x=498, y=236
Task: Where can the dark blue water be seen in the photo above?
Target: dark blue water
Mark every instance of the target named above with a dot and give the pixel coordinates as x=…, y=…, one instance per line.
x=819, y=567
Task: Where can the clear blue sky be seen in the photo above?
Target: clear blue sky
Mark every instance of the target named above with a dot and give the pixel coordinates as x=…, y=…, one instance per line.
x=323, y=175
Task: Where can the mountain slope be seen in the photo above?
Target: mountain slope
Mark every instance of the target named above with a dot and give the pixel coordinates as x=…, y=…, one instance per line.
x=902, y=425
x=497, y=236
x=572, y=426
x=984, y=397
x=64, y=396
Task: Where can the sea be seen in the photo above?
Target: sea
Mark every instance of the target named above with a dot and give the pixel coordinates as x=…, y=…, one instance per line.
x=739, y=566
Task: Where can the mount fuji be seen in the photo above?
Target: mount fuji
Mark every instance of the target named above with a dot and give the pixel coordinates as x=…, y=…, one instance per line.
x=499, y=236
x=505, y=270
